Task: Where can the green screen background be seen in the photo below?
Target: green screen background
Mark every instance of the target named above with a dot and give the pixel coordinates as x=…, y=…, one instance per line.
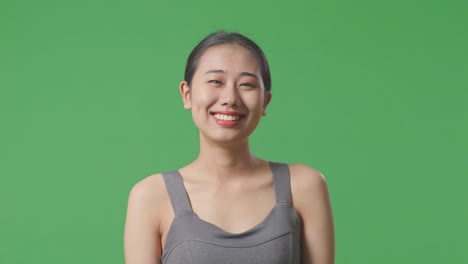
x=373, y=94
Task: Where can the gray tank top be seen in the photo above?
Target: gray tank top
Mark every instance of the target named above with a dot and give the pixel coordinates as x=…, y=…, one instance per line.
x=191, y=240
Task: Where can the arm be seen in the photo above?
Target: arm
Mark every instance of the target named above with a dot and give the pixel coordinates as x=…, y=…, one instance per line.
x=142, y=243
x=311, y=200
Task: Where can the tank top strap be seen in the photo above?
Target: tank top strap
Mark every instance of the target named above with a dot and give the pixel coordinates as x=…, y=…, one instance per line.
x=176, y=190
x=281, y=181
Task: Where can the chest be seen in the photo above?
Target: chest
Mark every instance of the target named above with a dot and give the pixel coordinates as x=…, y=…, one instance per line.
x=275, y=240
x=250, y=223
x=233, y=210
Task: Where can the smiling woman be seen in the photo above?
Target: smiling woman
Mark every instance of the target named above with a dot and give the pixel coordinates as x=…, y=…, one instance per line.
x=229, y=206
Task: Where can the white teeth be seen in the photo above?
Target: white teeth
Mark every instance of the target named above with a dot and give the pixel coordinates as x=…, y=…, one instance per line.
x=227, y=117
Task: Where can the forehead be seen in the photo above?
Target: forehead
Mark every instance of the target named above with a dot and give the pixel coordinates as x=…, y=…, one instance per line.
x=230, y=58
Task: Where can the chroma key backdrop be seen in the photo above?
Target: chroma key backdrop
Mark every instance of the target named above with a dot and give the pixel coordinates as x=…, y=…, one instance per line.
x=374, y=94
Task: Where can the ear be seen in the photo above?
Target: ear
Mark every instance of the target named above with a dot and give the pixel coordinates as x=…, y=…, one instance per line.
x=266, y=100
x=186, y=95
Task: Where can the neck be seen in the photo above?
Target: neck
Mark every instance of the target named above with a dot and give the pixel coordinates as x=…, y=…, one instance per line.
x=225, y=161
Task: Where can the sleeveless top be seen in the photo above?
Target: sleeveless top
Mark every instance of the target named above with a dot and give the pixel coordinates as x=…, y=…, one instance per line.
x=191, y=240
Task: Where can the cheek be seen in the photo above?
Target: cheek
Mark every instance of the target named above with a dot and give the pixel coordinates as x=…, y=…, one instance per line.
x=254, y=102
x=202, y=99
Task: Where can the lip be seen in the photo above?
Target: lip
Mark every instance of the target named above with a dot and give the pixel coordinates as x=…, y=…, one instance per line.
x=227, y=123
x=227, y=113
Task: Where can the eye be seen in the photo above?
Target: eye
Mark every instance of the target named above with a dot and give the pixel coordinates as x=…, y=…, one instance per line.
x=215, y=82
x=248, y=85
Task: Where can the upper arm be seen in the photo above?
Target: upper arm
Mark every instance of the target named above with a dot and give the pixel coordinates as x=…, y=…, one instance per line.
x=312, y=201
x=142, y=244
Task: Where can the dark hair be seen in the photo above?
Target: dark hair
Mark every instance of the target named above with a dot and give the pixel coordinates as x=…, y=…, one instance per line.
x=219, y=38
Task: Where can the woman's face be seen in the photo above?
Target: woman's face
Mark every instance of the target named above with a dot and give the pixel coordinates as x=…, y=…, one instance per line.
x=227, y=96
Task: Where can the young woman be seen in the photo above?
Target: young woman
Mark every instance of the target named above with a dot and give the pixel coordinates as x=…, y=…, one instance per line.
x=229, y=206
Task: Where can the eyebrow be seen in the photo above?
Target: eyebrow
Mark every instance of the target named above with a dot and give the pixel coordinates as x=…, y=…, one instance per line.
x=214, y=71
x=241, y=74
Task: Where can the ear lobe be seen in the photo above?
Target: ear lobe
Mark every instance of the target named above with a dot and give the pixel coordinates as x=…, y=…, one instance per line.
x=186, y=95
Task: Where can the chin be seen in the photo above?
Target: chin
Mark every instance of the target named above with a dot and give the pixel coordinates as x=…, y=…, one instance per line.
x=226, y=138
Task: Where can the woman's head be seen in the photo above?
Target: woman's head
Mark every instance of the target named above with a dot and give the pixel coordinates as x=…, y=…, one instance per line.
x=220, y=38
x=227, y=83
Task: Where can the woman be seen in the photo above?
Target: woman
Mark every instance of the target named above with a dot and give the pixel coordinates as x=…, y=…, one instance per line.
x=229, y=206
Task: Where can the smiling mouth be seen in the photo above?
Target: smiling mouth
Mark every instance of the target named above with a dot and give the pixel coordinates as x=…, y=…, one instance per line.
x=226, y=117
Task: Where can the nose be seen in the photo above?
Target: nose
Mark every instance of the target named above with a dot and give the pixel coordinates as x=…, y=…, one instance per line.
x=230, y=95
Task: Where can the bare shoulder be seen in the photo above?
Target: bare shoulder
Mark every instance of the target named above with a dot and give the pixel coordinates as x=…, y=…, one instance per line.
x=149, y=187
x=149, y=197
x=307, y=184
x=311, y=200
x=147, y=204
x=304, y=177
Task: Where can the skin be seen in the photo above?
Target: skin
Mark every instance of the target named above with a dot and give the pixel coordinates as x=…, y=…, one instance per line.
x=225, y=171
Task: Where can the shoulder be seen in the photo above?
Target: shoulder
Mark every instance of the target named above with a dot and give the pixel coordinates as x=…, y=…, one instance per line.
x=147, y=204
x=304, y=177
x=307, y=185
x=148, y=198
x=311, y=200
x=149, y=189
